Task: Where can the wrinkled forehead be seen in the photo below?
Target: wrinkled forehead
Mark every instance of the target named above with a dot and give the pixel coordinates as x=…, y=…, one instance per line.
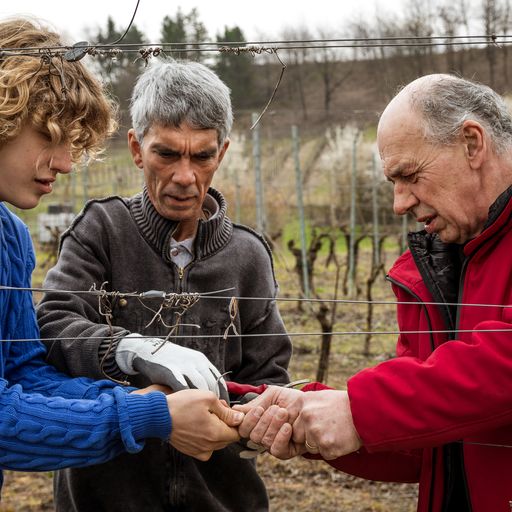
x=400, y=119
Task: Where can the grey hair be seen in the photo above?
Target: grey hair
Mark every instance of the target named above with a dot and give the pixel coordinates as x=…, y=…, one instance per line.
x=172, y=92
x=448, y=101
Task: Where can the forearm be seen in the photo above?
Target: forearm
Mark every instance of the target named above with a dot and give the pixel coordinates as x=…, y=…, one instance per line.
x=41, y=433
x=389, y=416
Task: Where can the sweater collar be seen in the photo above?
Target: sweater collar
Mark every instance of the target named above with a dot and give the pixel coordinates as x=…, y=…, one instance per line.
x=211, y=236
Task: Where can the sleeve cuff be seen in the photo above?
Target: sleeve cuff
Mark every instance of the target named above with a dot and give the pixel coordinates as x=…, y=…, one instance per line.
x=110, y=367
x=148, y=416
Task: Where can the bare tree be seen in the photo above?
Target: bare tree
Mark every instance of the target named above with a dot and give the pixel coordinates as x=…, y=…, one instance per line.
x=450, y=21
x=463, y=8
x=419, y=22
x=327, y=62
x=296, y=61
x=490, y=17
x=504, y=26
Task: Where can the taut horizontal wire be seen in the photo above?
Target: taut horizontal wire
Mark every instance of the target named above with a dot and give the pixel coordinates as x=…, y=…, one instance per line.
x=213, y=295
x=441, y=39
x=267, y=335
x=102, y=293
x=358, y=301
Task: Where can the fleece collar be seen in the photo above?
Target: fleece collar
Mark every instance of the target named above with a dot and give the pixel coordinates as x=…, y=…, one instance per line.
x=212, y=234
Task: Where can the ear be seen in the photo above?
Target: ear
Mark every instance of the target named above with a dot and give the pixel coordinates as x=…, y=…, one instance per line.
x=135, y=149
x=223, y=150
x=475, y=143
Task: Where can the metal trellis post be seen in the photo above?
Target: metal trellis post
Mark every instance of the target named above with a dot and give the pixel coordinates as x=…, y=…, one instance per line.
x=375, y=211
x=300, y=206
x=256, y=152
x=353, y=182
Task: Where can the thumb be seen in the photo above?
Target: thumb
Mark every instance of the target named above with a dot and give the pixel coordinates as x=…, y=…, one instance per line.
x=260, y=400
x=226, y=414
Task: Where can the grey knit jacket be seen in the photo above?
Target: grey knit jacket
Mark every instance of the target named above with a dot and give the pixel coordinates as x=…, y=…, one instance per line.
x=124, y=245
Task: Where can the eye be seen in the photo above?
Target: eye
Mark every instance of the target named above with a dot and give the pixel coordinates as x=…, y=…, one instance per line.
x=411, y=177
x=204, y=157
x=163, y=153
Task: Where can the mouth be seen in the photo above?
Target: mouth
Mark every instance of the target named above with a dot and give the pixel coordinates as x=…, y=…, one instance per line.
x=181, y=199
x=427, y=221
x=46, y=184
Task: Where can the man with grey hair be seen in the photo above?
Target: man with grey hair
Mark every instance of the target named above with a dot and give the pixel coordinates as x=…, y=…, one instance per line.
x=171, y=244
x=441, y=412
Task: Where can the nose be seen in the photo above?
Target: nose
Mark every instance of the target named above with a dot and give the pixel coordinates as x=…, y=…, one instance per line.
x=404, y=200
x=61, y=160
x=183, y=172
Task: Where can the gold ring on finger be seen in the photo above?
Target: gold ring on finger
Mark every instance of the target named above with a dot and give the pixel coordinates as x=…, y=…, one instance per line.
x=311, y=448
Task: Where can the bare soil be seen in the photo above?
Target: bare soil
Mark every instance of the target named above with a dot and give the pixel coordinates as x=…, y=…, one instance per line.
x=299, y=485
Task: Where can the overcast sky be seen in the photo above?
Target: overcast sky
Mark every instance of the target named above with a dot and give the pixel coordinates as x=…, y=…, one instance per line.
x=267, y=17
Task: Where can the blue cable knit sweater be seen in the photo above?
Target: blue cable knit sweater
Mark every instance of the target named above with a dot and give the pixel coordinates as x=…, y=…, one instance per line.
x=47, y=419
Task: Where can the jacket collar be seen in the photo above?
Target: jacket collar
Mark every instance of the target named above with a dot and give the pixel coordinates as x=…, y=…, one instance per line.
x=500, y=213
x=212, y=234
x=439, y=263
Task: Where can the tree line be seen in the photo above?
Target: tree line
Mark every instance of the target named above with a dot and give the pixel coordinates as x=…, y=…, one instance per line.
x=325, y=83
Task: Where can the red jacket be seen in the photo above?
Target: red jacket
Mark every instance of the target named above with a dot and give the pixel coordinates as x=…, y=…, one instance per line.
x=436, y=391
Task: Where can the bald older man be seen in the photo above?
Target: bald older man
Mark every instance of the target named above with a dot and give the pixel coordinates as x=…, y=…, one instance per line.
x=440, y=413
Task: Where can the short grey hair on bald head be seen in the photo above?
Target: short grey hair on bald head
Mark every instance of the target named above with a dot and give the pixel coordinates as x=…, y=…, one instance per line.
x=172, y=92
x=447, y=101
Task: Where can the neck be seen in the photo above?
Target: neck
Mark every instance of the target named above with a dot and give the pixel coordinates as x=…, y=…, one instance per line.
x=185, y=229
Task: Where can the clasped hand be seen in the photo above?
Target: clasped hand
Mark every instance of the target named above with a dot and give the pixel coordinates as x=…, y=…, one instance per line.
x=284, y=421
x=288, y=422
x=201, y=423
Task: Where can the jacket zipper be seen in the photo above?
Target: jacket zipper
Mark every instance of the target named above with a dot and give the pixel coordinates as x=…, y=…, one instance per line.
x=457, y=320
x=175, y=454
x=432, y=347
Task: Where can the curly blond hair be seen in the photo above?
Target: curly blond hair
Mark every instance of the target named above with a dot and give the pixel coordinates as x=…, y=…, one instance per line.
x=60, y=98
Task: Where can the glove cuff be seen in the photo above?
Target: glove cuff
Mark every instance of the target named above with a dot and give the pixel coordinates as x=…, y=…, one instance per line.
x=126, y=352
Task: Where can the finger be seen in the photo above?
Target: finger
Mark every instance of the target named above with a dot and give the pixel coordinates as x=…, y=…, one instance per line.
x=278, y=420
x=265, y=400
x=255, y=447
x=299, y=431
x=203, y=456
x=160, y=374
x=260, y=429
x=229, y=416
x=210, y=378
x=282, y=447
x=252, y=416
x=221, y=389
x=230, y=436
x=196, y=379
x=216, y=374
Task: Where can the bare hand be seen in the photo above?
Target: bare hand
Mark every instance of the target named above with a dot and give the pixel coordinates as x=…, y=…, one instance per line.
x=201, y=423
x=285, y=398
x=325, y=425
x=322, y=418
x=283, y=446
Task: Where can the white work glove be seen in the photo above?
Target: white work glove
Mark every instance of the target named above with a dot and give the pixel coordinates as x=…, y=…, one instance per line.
x=175, y=366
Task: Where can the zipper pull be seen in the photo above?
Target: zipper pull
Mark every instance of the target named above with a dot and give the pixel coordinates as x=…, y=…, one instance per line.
x=181, y=271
